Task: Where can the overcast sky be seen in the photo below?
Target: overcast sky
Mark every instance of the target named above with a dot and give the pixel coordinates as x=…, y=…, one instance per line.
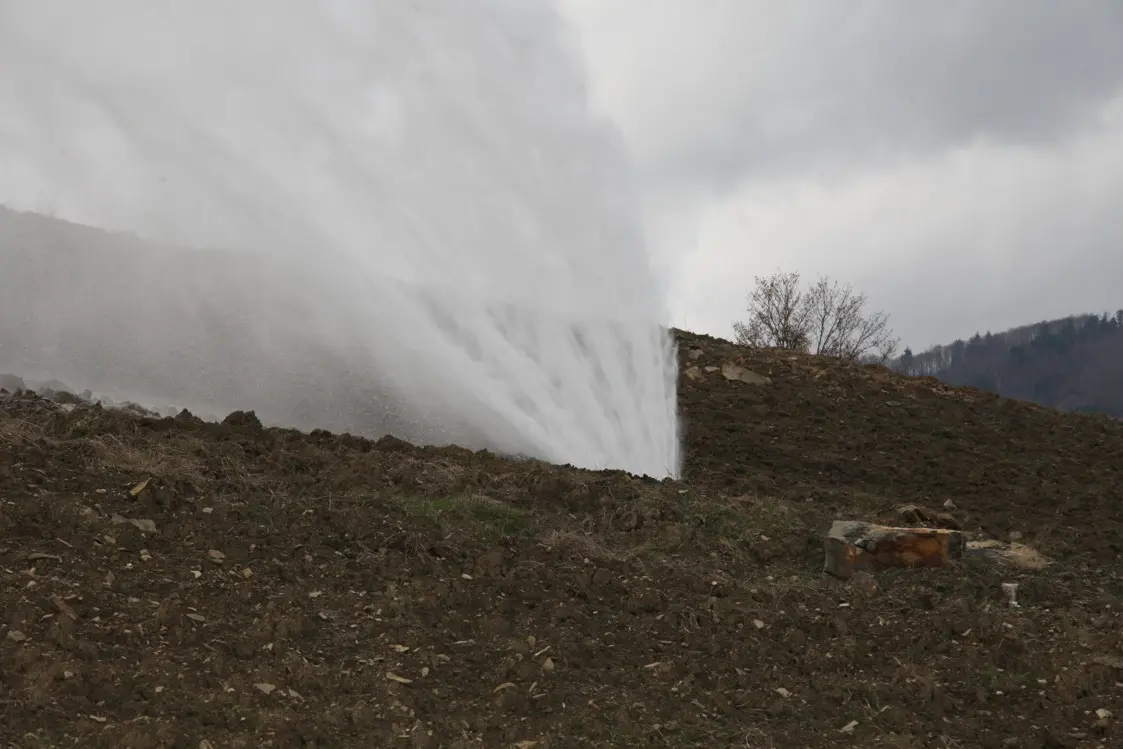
x=961, y=162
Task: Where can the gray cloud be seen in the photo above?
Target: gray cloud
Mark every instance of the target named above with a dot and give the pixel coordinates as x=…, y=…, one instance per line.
x=962, y=161
x=959, y=161
x=732, y=90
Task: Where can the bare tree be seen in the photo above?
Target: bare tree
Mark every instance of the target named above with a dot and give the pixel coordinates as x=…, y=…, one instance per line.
x=827, y=318
x=778, y=315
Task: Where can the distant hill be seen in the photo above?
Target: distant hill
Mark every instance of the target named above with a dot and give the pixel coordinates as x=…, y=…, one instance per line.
x=1073, y=364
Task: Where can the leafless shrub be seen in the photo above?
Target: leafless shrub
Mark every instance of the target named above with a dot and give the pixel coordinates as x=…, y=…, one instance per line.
x=827, y=318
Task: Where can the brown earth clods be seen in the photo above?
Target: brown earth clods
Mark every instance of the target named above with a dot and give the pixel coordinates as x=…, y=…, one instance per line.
x=174, y=583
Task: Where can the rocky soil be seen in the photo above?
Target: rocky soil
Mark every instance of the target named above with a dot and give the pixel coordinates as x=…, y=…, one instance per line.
x=167, y=582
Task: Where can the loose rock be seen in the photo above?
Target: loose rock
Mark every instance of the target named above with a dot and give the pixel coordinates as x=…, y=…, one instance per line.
x=854, y=546
x=1012, y=555
x=731, y=371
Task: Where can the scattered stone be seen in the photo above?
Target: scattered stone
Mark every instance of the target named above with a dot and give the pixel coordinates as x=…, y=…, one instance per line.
x=916, y=514
x=144, y=525
x=736, y=372
x=695, y=354
x=1010, y=590
x=1013, y=555
x=265, y=688
x=863, y=584
x=216, y=556
x=695, y=374
x=64, y=608
x=16, y=636
x=854, y=546
x=136, y=490
x=1111, y=661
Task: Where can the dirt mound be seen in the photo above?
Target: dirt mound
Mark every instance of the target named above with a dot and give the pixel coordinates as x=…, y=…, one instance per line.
x=168, y=582
x=847, y=436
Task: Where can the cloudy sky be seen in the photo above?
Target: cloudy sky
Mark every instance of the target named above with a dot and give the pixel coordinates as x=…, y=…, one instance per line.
x=961, y=162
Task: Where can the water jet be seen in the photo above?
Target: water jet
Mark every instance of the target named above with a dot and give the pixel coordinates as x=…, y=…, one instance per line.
x=366, y=216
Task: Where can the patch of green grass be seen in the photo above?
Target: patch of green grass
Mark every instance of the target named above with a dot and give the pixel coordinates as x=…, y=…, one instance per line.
x=716, y=520
x=507, y=520
x=470, y=512
x=430, y=507
x=719, y=521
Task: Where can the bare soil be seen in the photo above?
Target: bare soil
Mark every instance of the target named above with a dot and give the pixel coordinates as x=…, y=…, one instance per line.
x=174, y=583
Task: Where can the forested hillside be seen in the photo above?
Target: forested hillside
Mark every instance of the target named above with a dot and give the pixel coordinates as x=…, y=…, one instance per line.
x=1074, y=364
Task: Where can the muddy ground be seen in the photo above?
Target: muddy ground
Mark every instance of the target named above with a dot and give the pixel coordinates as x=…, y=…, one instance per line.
x=174, y=583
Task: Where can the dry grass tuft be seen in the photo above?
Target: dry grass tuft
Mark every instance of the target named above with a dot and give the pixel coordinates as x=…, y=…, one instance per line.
x=583, y=546
x=170, y=462
x=13, y=431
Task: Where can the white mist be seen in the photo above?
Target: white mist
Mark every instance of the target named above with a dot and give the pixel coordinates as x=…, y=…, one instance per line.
x=415, y=191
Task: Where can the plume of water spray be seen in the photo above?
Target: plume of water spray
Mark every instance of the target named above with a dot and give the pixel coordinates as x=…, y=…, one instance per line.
x=414, y=191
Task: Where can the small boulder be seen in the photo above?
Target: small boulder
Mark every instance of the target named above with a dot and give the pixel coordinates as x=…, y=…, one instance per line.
x=918, y=515
x=853, y=546
x=863, y=585
x=1012, y=555
x=736, y=372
